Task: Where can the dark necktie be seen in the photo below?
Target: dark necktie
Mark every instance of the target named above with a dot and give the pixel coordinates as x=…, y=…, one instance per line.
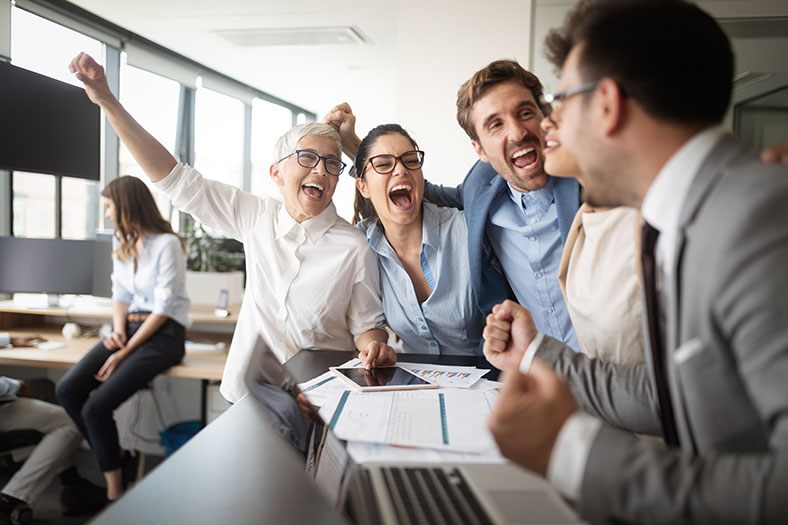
x=649, y=242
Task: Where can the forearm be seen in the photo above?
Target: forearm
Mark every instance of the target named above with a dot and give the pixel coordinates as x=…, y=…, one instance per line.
x=376, y=334
x=153, y=158
x=119, y=312
x=350, y=146
x=622, y=395
x=149, y=327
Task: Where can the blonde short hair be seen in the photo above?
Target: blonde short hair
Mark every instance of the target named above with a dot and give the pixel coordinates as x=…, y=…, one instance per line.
x=287, y=142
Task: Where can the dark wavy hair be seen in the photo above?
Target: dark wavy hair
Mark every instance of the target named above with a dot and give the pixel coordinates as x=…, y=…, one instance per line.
x=136, y=214
x=362, y=207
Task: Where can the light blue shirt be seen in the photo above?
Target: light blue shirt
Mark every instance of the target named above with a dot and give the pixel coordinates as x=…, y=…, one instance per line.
x=8, y=387
x=159, y=284
x=523, y=230
x=448, y=322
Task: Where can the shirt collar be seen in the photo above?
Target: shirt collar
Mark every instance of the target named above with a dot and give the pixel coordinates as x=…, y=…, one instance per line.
x=543, y=197
x=430, y=230
x=665, y=198
x=314, y=228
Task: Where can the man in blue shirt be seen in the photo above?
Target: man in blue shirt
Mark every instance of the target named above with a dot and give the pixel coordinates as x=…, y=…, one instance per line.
x=518, y=216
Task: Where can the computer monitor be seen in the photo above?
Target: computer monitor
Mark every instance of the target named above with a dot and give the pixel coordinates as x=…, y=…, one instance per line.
x=55, y=266
x=48, y=126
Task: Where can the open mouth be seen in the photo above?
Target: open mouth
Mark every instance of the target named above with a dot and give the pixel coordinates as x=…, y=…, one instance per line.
x=525, y=158
x=402, y=195
x=313, y=190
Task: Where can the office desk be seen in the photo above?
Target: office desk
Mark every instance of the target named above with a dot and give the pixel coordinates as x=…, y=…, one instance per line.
x=239, y=469
x=18, y=319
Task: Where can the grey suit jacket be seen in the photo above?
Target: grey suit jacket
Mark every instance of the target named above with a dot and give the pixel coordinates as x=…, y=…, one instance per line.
x=727, y=362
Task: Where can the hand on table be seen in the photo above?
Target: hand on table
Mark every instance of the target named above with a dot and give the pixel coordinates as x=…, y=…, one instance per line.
x=26, y=340
x=376, y=353
x=507, y=334
x=529, y=414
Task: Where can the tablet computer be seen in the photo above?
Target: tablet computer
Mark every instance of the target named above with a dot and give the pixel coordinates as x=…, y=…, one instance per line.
x=381, y=378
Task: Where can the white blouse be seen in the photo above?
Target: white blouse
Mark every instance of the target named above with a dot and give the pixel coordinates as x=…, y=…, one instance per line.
x=309, y=285
x=600, y=277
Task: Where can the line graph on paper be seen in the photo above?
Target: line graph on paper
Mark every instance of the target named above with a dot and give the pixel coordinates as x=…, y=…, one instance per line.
x=364, y=417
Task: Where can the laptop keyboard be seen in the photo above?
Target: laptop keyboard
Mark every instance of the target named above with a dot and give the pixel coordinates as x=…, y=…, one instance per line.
x=432, y=495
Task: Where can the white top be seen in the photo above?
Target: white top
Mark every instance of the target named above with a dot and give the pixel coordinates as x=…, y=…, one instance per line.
x=601, y=284
x=661, y=208
x=309, y=285
x=158, y=284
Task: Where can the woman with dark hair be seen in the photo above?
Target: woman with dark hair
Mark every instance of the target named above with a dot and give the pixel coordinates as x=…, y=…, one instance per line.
x=149, y=319
x=422, y=248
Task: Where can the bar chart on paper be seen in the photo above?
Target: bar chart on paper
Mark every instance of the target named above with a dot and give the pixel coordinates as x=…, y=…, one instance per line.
x=447, y=376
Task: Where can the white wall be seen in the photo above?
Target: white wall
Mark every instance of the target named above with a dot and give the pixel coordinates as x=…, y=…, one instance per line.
x=440, y=45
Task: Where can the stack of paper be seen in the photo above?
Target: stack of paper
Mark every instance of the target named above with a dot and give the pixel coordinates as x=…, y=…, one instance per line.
x=444, y=424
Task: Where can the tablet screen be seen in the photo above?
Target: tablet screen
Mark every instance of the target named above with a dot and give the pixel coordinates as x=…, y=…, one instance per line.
x=387, y=376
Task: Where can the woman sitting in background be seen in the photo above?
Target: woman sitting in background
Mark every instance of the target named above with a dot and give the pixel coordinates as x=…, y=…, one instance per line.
x=422, y=248
x=149, y=320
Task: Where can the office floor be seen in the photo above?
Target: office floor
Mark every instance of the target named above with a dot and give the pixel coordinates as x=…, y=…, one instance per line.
x=47, y=509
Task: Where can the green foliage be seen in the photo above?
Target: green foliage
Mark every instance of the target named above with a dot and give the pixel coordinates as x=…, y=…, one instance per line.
x=206, y=253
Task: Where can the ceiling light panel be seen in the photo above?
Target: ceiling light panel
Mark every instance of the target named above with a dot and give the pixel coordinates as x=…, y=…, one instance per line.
x=292, y=36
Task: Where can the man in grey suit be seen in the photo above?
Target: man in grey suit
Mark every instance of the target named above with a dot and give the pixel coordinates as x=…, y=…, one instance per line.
x=643, y=85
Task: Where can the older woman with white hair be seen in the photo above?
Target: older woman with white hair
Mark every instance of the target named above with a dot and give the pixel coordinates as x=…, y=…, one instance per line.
x=312, y=281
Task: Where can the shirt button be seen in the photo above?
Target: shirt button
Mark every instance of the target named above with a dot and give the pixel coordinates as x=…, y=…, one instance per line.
x=527, y=197
x=423, y=327
x=549, y=310
x=532, y=238
x=533, y=221
x=539, y=275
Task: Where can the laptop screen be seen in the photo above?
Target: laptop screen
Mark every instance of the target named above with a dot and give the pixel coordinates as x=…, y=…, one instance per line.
x=326, y=459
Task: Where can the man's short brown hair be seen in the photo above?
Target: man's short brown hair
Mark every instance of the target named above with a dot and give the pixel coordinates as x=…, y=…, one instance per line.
x=477, y=86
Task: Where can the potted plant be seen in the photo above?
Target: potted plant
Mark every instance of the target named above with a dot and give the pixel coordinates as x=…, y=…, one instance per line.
x=211, y=268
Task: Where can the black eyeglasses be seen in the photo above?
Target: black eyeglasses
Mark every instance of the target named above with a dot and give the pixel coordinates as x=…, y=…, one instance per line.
x=552, y=102
x=310, y=159
x=385, y=163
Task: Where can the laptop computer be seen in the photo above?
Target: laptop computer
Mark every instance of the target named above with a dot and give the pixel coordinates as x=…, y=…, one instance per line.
x=402, y=493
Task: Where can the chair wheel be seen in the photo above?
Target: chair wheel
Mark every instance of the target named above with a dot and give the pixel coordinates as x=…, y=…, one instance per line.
x=22, y=515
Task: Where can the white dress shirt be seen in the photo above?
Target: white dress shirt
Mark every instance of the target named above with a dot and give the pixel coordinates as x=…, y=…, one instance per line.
x=661, y=208
x=158, y=283
x=309, y=285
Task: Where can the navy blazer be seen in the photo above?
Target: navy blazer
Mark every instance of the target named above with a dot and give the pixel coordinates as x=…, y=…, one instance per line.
x=475, y=195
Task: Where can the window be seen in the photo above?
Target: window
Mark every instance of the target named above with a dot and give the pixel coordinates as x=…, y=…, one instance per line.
x=269, y=122
x=153, y=102
x=46, y=47
x=219, y=136
x=80, y=200
x=34, y=205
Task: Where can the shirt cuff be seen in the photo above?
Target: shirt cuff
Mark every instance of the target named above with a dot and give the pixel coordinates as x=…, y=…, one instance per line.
x=171, y=179
x=530, y=352
x=570, y=454
x=5, y=340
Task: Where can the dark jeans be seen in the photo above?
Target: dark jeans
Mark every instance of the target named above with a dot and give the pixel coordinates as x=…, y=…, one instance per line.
x=93, y=413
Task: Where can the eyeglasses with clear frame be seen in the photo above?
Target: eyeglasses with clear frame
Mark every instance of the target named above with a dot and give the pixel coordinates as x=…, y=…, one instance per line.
x=385, y=163
x=552, y=102
x=310, y=159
